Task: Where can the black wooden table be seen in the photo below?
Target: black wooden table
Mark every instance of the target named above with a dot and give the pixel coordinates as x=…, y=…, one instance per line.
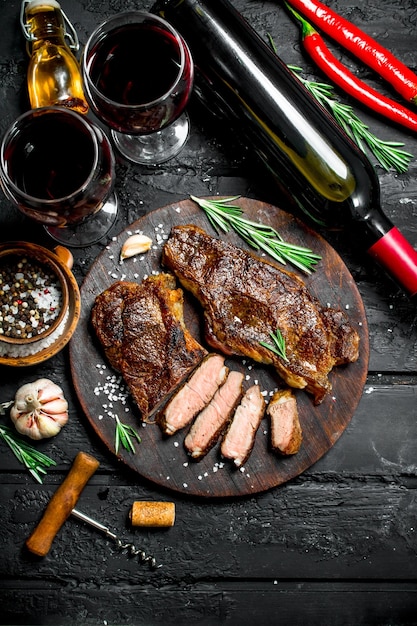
x=336, y=545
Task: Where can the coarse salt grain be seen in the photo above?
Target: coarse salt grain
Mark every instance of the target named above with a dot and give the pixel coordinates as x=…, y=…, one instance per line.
x=114, y=391
x=14, y=351
x=36, y=287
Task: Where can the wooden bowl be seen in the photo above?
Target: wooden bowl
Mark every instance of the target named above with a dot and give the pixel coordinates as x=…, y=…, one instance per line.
x=43, y=260
x=36, y=349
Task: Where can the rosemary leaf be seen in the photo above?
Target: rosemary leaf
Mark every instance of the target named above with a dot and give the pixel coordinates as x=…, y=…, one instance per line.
x=279, y=346
x=224, y=215
x=124, y=435
x=34, y=460
x=387, y=153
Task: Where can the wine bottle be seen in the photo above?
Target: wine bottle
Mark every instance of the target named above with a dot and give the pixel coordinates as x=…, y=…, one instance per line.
x=309, y=154
x=54, y=76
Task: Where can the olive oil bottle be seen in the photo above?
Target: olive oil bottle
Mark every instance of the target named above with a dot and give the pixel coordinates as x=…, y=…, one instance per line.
x=54, y=76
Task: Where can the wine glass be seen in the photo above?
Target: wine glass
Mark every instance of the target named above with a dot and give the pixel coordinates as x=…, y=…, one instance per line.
x=58, y=168
x=138, y=75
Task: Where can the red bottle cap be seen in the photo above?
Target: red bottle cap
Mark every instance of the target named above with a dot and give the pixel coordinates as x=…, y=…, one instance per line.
x=398, y=257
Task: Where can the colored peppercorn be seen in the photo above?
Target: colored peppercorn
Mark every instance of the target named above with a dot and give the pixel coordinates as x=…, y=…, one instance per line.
x=30, y=298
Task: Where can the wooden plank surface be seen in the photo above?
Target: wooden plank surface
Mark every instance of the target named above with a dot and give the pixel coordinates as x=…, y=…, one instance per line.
x=336, y=546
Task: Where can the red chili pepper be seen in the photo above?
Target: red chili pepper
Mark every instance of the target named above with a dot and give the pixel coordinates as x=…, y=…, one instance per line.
x=341, y=76
x=367, y=49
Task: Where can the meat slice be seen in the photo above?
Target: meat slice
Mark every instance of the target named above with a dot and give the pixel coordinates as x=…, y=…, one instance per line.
x=150, y=346
x=194, y=395
x=214, y=418
x=239, y=440
x=246, y=298
x=286, y=434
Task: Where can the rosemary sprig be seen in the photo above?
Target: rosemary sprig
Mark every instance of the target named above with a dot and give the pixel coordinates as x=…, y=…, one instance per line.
x=387, y=153
x=279, y=346
x=124, y=435
x=36, y=462
x=222, y=215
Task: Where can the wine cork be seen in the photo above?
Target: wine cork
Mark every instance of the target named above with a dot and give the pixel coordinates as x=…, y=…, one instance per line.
x=152, y=514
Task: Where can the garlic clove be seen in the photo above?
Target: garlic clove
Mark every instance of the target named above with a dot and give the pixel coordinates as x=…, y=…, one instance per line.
x=57, y=407
x=27, y=425
x=48, y=390
x=48, y=427
x=135, y=244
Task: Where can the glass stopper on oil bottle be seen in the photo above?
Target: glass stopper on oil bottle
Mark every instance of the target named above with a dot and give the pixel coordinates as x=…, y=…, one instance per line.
x=54, y=76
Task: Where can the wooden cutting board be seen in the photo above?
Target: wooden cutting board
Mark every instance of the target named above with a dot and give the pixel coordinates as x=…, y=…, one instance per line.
x=163, y=460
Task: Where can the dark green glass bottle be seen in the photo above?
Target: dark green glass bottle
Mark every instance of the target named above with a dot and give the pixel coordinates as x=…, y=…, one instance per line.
x=328, y=176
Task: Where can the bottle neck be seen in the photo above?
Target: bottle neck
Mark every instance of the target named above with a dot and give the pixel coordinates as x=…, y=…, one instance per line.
x=45, y=22
x=396, y=255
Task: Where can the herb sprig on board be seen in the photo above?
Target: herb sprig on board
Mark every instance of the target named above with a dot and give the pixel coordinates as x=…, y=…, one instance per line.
x=223, y=214
x=279, y=346
x=124, y=436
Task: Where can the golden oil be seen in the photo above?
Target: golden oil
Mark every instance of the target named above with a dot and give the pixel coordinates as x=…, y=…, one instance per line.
x=54, y=76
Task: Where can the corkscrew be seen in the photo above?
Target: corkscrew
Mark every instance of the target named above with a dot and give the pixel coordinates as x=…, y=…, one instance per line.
x=130, y=547
x=62, y=505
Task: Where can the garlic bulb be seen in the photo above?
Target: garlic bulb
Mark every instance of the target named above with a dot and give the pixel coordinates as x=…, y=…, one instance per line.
x=40, y=409
x=135, y=244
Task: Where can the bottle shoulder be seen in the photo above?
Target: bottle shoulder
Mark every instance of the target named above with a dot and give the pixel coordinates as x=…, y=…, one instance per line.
x=50, y=51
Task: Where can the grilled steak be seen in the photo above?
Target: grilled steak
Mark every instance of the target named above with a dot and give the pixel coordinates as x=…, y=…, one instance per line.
x=286, y=434
x=239, y=440
x=246, y=298
x=214, y=418
x=106, y=318
x=194, y=395
x=142, y=331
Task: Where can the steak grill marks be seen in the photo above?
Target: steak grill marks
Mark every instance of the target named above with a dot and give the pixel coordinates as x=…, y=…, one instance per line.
x=246, y=298
x=142, y=331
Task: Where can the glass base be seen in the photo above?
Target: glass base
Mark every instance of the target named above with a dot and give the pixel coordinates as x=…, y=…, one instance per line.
x=92, y=230
x=157, y=147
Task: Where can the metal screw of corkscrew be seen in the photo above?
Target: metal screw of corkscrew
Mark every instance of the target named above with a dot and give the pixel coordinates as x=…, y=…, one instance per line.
x=130, y=547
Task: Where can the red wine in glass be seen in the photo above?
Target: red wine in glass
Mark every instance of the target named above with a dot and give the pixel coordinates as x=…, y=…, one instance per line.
x=58, y=168
x=139, y=73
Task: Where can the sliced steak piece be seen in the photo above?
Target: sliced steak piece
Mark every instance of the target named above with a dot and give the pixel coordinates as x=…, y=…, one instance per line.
x=194, y=395
x=286, y=434
x=152, y=348
x=239, y=440
x=214, y=418
x=246, y=298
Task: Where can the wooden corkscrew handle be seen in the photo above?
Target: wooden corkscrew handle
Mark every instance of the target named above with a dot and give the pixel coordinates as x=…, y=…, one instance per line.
x=61, y=504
